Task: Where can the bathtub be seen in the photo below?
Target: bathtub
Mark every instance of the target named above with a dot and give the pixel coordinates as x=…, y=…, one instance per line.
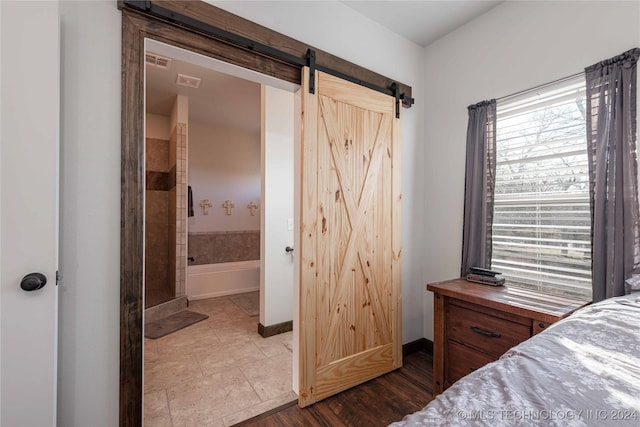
x=215, y=280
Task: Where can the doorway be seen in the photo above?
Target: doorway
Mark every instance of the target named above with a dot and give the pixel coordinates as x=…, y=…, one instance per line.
x=201, y=181
x=219, y=370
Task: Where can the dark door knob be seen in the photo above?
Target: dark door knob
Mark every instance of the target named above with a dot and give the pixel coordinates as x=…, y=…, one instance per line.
x=33, y=282
x=288, y=249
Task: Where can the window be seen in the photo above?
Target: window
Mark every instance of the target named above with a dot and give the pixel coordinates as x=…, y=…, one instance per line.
x=541, y=223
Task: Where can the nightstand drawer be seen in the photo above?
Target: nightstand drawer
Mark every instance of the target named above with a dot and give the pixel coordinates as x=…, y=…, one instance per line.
x=462, y=361
x=490, y=334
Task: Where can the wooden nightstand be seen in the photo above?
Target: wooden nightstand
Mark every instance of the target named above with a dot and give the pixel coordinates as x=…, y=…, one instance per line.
x=475, y=324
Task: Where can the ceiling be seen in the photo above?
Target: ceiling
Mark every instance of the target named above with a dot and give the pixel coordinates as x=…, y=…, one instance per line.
x=229, y=101
x=221, y=99
x=422, y=22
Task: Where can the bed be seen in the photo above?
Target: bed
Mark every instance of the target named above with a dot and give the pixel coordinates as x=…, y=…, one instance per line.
x=581, y=371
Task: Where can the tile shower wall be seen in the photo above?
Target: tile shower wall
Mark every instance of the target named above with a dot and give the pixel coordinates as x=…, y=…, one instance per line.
x=158, y=287
x=165, y=238
x=172, y=252
x=224, y=246
x=179, y=223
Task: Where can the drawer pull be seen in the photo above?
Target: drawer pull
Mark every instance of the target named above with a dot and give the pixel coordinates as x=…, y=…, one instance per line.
x=485, y=333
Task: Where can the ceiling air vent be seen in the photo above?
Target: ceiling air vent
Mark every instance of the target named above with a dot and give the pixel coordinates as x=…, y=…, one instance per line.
x=184, y=80
x=157, y=60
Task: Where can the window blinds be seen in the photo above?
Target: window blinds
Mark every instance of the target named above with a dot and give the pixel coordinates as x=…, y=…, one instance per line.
x=541, y=225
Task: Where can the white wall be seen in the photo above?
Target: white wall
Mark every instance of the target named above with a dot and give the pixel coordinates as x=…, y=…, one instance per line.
x=158, y=126
x=276, y=266
x=90, y=214
x=338, y=29
x=179, y=111
x=224, y=164
x=513, y=47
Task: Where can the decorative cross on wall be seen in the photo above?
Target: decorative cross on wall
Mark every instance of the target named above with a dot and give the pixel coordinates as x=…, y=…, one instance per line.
x=252, y=208
x=206, y=204
x=228, y=205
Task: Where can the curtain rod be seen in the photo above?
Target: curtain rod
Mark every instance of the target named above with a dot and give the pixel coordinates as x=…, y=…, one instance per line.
x=513, y=95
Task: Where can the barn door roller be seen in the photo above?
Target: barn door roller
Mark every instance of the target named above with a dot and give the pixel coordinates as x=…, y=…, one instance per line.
x=396, y=95
x=311, y=63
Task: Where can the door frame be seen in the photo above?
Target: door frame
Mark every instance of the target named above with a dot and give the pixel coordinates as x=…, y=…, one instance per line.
x=138, y=25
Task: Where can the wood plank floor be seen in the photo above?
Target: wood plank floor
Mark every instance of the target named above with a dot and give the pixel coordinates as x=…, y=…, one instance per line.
x=375, y=403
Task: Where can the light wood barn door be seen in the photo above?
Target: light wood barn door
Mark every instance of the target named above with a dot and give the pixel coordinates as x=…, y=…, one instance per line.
x=350, y=308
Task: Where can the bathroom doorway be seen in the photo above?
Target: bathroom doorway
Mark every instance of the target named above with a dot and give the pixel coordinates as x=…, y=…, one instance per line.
x=203, y=186
x=215, y=137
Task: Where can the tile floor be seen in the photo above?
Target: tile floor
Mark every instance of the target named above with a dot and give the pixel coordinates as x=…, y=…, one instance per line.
x=217, y=372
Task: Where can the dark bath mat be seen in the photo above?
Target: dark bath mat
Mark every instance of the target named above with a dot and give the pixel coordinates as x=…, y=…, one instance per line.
x=249, y=302
x=175, y=322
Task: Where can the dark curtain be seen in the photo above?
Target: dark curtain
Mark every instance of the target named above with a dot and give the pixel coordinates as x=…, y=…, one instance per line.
x=479, y=188
x=611, y=145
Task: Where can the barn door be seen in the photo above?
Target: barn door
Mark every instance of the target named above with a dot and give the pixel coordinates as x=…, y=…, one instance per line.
x=350, y=318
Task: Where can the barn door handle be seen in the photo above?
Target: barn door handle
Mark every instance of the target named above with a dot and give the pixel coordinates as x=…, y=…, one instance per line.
x=485, y=333
x=33, y=282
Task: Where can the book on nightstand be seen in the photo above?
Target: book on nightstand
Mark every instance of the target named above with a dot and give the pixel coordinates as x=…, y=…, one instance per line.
x=495, y=280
